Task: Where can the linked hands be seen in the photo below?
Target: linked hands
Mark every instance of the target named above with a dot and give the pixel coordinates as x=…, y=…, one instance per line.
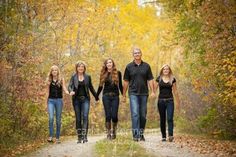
x=72, y=93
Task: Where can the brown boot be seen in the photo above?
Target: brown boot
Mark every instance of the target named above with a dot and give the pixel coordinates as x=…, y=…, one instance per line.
x=114, y=127
x=108, y=127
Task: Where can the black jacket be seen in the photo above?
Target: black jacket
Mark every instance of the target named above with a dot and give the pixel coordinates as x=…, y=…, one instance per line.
x=73, y=85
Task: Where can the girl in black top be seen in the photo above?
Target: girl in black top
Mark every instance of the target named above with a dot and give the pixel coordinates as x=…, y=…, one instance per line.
x=167, y=85
x=55, y=84
x=79, y=87
x=111, y=83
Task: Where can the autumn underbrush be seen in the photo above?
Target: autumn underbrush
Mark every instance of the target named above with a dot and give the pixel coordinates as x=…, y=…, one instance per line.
x=215, y=124
x=24, y=127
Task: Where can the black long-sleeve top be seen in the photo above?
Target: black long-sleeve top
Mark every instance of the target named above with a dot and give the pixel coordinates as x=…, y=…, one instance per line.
x=74, y=82
x=110, y=86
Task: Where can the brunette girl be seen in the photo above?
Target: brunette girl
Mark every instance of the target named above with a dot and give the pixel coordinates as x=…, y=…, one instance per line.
x=111, y=83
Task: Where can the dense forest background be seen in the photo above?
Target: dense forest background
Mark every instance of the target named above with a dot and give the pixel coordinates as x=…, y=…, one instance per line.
x=195, y=37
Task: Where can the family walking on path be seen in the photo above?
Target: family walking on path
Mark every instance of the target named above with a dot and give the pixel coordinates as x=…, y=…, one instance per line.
x=137, y=79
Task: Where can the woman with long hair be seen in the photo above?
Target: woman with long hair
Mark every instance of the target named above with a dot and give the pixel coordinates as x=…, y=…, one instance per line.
x=167, y=87
x=55, y=86
x=79, y=87
x=111, y=83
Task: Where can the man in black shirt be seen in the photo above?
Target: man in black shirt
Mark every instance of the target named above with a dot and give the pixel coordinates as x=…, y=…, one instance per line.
x=138, y=76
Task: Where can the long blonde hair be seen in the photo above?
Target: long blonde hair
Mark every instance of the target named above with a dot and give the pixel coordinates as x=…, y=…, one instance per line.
x=50, y=76
x=104, y=73
x=171, y=76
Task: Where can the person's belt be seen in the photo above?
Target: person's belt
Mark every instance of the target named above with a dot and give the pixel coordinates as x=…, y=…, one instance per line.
x=81, y=97
x=165, y=99
x=110, y=94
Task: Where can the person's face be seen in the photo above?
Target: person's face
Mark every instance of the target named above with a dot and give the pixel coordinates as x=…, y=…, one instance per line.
x=137, y=54
x=166, y=70
x=54, y=71
x=80, y=68
x=109, y=64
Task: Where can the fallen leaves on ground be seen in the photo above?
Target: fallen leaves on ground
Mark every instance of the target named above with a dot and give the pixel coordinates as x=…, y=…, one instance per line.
x=204, y=145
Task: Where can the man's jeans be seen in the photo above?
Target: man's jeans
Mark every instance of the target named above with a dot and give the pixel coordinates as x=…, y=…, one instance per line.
x=166, y=106
x=81, y=108
x=56, y=104
x=138, y=107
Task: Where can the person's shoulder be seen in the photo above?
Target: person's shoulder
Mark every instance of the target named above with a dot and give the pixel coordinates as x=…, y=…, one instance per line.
x=174, y=79
x=145, y=63
x=130, y=64
x=73, y=75
x=87, y=75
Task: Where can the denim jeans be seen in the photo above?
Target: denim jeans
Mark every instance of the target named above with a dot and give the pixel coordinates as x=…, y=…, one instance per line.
x=111, y=106
x=138, y=107
x=81, y=108
x=166, y=106
x=55, y=104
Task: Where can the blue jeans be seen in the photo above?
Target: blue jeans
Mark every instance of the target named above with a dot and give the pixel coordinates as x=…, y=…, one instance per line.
x=81, y=108
x=111, y=106
x=56, y=104
x=138, y=107
x=166, y=106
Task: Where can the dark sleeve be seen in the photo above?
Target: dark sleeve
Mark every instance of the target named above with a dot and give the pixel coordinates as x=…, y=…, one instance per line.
x=126, y=74
x=174, y=80
x=120, y=82
x=71, y=84
x=149, y=74
x=158, y=79
x=92, y=90
x=99, y=90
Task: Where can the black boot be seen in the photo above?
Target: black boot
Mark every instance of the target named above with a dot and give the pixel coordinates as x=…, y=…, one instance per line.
x=108, y=127
x=85, y=139
x=84, y=135
x=114, y=127
x=79, y=136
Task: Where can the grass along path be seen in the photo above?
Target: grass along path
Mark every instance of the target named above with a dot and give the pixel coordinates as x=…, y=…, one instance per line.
x=122, y=146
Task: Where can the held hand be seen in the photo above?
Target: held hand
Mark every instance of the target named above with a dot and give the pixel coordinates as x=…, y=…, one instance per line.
x=67, y=92
x=96, y=102
x=72, y=93
x=153, y=95
x=124, y=99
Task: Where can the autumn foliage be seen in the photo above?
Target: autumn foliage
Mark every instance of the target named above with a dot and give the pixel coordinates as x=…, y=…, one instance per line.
x=196, y=38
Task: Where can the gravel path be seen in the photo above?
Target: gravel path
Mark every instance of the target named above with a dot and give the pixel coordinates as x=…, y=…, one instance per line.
x=68, y=148
x=154, y=145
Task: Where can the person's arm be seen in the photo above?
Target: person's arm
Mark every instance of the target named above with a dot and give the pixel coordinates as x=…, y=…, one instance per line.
x=150, y=81
x=176, y=94
x=125, y=87
x=99, y=91
x=155, y=86
x=126, y=79
x=92, y=90
x=71, y=86
x=151, y=85
x=47, y=94
x=120, y=82
x=64, y=86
